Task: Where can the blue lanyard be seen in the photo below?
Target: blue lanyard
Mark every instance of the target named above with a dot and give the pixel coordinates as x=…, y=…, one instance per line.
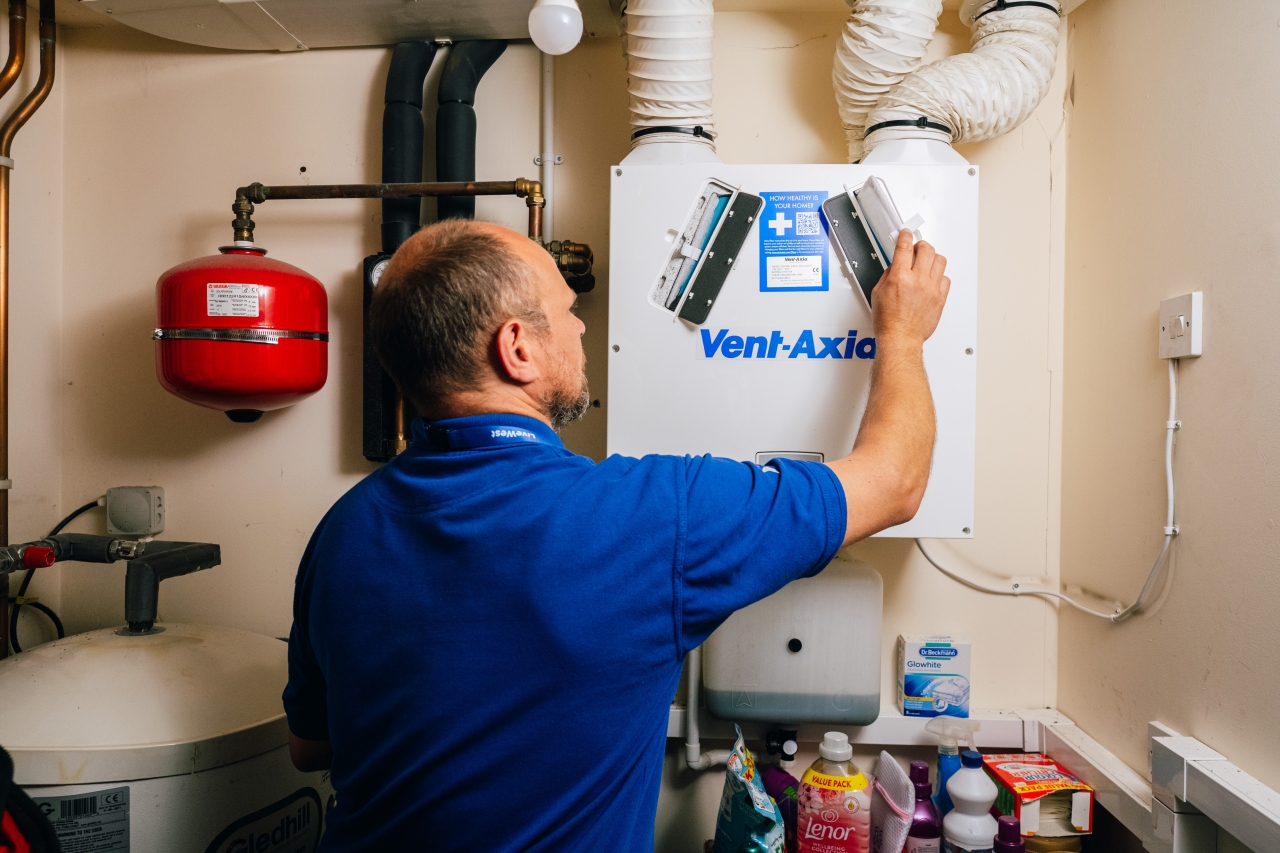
x=475, y=438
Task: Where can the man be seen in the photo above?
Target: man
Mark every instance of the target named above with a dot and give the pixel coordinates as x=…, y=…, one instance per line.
x=489, y=630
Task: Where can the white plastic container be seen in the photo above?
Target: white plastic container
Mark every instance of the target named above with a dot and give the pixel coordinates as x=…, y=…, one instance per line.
x=808, y=653
x=970, y=826
x=165, y=742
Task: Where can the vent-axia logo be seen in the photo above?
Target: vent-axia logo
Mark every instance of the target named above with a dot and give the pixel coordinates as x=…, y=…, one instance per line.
x=937, y=652
x=777, y=345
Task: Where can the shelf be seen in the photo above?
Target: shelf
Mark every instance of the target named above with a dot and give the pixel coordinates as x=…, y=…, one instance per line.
x=1000, y=729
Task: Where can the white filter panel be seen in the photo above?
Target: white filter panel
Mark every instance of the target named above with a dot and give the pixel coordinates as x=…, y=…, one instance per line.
x=782, y=361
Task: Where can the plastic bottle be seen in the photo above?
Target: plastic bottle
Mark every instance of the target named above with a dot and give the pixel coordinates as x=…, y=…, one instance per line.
x=1009, y=836
x=835, y=802
x=951, y=732
x=785, y=790
x=969, y=826
x=925, y=834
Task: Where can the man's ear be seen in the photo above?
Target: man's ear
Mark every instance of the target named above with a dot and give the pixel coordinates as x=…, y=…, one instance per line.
x=517, y=353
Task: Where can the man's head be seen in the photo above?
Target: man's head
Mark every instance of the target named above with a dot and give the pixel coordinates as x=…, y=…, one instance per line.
x=472, y=318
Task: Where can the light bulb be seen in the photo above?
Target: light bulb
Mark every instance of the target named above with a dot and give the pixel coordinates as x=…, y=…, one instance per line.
x=555, y=26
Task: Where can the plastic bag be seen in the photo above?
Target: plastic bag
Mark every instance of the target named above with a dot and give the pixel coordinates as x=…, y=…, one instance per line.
x=749, y=821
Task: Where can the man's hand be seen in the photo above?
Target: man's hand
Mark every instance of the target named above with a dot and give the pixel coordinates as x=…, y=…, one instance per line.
x=884, y=478
x=909, y=297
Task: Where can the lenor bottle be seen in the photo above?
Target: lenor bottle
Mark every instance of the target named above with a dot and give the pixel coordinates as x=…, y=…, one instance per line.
x=835, y=802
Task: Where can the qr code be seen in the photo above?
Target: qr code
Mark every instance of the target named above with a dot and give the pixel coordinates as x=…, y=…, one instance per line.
x=807, y=224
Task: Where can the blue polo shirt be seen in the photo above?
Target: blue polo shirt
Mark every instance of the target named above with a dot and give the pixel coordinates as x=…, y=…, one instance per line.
x=491, y=636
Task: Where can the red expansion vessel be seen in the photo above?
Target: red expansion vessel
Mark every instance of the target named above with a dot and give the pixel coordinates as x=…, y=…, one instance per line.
x=241, y=333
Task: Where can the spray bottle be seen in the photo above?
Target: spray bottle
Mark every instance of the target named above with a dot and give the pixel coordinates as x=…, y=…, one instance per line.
x=951, y=733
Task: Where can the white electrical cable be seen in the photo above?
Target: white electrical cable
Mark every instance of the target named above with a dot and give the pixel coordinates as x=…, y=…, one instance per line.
x=693, y=754
x=883, y=42
x=986, y=92
x=1170, y=531
x=668, y=48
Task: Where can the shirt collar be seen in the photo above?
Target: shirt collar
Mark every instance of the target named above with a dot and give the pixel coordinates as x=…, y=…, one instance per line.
x=545, y=433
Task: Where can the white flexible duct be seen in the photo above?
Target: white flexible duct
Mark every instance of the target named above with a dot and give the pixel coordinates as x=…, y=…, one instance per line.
x=668, y=47
x=986, y=92
x=883, y=42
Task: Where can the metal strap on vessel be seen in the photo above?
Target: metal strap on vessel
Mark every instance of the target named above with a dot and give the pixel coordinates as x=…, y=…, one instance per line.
x=243, y=336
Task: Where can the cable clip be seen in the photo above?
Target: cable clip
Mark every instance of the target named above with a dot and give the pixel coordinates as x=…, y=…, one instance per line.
x=5, y=485
x=547, y=157
x=1171, y=531
x=7, y=162
x=26, y=599
x=1173, y=424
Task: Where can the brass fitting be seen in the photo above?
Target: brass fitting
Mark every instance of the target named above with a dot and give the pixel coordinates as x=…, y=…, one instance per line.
x=531, y=190
x=242, y=225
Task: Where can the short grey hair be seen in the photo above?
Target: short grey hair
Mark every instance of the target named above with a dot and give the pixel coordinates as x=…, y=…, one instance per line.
x=444, y=294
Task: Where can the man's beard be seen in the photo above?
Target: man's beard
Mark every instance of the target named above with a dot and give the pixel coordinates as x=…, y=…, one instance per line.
x=563, y=407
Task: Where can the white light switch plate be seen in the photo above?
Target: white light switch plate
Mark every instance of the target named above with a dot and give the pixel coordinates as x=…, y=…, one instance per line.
x=1182, y=326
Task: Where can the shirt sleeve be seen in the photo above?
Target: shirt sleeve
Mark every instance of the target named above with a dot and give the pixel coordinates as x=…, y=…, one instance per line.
x=748, y=531
x=305, y=703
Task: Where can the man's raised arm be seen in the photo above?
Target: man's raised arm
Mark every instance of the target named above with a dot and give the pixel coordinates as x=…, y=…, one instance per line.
x=885, y=476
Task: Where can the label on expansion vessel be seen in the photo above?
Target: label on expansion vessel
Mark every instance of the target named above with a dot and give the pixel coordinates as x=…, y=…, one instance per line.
x=793, y=242
x=232, y=300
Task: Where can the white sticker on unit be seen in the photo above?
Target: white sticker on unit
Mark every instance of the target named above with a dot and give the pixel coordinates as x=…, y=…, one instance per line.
x=97, y=822
x=232, y=300
x=794, y=271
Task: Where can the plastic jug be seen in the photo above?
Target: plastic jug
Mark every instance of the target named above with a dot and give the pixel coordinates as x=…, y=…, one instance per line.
x=835, y=802
x=970, y=826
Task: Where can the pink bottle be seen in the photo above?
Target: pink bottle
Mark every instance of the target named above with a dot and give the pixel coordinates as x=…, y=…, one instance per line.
x=835, y=802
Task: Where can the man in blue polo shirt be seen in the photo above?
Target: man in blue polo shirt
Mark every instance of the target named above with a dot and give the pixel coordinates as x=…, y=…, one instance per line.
x=489, y=630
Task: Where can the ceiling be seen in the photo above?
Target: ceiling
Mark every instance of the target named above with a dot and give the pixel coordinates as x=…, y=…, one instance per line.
x=303, y=24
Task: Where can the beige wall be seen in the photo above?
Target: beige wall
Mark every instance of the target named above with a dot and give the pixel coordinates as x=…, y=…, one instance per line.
x=1174, y=189
x=155, y=138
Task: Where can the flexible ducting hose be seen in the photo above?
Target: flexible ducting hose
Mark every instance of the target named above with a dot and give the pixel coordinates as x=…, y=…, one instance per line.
x=467, y=62
x=883, y=42
x=986, y=92
x=668, y=48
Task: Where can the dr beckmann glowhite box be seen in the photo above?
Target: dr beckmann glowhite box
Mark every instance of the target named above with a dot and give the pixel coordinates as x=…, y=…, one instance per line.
x=933, y=676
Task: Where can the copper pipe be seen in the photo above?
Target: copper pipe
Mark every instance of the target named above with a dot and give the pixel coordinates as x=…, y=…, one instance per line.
x=247, y=197
x=535, y=222
x=19, y=117
x=402, y=439
x=44, y=84
x=258, y=193
x=17, y=46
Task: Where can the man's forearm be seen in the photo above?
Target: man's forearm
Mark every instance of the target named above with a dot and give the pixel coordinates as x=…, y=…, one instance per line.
x=898, y=425
x=886, y=474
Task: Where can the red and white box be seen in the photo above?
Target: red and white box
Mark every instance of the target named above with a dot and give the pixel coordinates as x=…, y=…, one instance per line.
x=1046, y=799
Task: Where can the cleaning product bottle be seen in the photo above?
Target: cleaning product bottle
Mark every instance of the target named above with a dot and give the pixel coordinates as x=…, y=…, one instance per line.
x=951, y=732
x=785, y=790
x=1009, y=835
x=925, y=835
x=969, y=827
x=835, y=802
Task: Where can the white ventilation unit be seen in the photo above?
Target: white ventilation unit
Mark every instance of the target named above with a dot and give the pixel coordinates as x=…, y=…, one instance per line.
x=738, y=327
x=302, y=24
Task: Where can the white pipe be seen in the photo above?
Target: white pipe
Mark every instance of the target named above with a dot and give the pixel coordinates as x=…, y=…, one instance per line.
x=668, y=49
x=984, y=93
x=693, y=754
x=548, y=156
x=883, y=42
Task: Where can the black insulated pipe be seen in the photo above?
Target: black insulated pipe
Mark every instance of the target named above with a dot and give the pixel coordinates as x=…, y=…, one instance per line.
x=402, y=136
x=466, y=63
